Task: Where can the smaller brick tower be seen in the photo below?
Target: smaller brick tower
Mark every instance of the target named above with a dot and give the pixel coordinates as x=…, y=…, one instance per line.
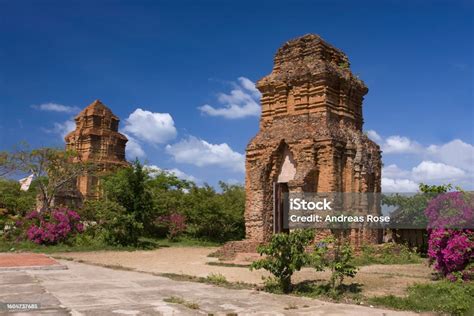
x=96, y=139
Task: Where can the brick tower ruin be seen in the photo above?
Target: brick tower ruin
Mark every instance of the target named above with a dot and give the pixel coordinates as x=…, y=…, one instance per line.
x=96, y=139
x=310, y=137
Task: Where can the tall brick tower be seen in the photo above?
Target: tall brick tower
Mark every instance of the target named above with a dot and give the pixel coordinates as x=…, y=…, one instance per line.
x=96, y=139
x=310, y=138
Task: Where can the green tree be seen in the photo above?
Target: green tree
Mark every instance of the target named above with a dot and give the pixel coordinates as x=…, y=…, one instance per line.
x=285, y=254
x=128, y=188
x=6, y=164
x=14, y=200
x=410, y=209
x=14, y=203
x=53, y=169
x=215, y=216
x=168, y=192
x=113, y=222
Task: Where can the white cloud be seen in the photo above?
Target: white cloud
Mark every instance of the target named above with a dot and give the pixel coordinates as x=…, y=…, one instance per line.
x=198, y=152
x=250, y=86
x=374, y=136
x=133, y=148
x=451, y=162
x=62, y=129
x=182, y=175
x=398, y=185
x=154, y=128
x=233, y=181
x=393, y=171
x=456, y=153
x=242, y=101
x=429, y=170
x=155, y=170
x=400, y=145
x=55, y=107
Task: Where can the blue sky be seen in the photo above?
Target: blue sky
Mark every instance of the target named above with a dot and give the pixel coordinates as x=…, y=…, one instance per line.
x=156, y=63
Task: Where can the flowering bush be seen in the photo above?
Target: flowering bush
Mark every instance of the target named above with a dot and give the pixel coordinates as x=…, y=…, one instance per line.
x=451, y=242
x=451, y=251
x=176, y=224
x=52, y=227
x=451, y=210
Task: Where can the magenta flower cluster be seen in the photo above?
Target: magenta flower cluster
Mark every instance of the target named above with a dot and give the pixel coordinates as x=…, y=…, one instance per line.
x=52, y=227
x=451, y=242
x=176, y=224
x=451, y=251
x=451, y=210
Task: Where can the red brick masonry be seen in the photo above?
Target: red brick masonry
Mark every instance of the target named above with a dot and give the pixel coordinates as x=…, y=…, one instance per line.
x=8, y=260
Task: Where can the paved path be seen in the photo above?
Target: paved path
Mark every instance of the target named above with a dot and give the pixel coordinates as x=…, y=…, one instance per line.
x=91, y=290
x=15, y=261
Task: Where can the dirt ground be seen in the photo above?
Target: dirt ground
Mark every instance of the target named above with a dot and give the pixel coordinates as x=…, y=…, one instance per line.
x=375, y=280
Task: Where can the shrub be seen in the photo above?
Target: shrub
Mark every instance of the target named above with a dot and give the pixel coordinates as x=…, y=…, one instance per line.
x=175, y=225
x=337, y=255
x=215, y=216
x=450, y=247
x=388, y=253
x=451, y=251
x=114, y=224
x=50, y=228
x=285, y=254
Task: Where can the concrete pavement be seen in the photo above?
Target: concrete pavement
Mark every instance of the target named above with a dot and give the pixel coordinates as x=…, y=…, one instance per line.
x=91, y=290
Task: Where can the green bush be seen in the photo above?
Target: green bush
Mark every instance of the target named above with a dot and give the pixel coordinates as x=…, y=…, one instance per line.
x=455, y=298
x=14, y=204
x=153, y=196
x=113, y=223
x=388, y=253
x=128, y=188
x=337, y=255
x=285, y=254
x=215, y=216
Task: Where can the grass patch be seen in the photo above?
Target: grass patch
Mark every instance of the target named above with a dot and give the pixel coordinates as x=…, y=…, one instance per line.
x=186, y=242
x=181, y=301
x=349, y=293
x=228, y=265
x=27, y=246
x=214, y=279
x=388, y=253
x=449, y=297
x=319, y=288
x=84, y=243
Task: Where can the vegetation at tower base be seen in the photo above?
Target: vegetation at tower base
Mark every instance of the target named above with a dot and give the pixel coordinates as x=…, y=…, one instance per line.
x=136, y=203
x=288, y=253
x=285, y=254
x=335, y=254
x=140, y=203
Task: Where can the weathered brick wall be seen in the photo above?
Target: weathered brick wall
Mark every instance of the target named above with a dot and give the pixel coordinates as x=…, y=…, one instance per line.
x=311, y=107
